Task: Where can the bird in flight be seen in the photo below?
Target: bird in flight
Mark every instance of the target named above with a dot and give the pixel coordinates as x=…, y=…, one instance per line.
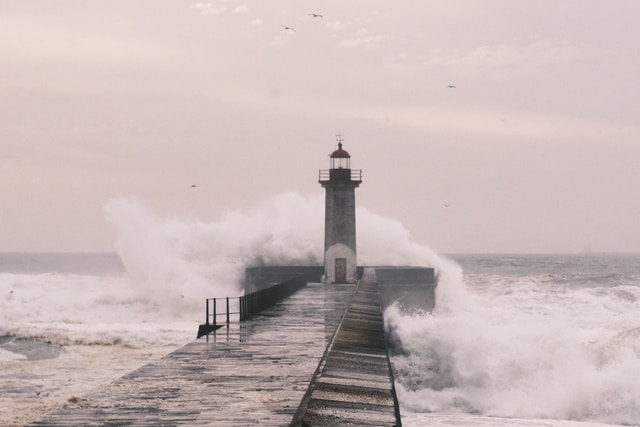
x=288, y=28
x=316, y=15
x=451, y=86
x=193, y=186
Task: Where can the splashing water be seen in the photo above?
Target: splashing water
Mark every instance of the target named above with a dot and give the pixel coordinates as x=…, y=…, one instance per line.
x=185, y=262
x=172, y=265
x=179, y=263
x=523, y=346
x=561, y=342
x=97, y=325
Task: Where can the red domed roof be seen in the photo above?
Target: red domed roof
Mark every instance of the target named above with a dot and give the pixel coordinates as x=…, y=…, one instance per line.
x=340, y=153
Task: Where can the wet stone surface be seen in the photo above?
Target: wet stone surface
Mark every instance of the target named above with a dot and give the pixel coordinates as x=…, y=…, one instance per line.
x=354, y=385
x=254, y=373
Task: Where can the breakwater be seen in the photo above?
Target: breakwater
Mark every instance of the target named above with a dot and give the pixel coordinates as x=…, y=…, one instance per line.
x=353, y=384
x=249, y=373
x=287, y=364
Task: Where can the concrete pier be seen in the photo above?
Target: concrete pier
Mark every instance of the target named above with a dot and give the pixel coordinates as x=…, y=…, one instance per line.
x=254, y=373
x=323, y=346
x=354, y=383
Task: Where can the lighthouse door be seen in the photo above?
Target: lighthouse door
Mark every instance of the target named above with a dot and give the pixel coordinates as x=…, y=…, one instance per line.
x=341, y=270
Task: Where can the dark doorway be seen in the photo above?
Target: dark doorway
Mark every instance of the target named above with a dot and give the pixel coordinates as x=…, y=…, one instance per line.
x=341, y=270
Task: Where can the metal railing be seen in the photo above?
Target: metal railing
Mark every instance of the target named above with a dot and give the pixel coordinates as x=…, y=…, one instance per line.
x=253, y=303
x=325, y=174
x=248, y=305
x=213, y=311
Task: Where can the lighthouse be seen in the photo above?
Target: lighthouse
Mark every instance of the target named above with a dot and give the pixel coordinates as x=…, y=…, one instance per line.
x=340, y=182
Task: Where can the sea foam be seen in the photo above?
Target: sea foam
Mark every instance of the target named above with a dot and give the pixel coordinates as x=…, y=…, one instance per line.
x=522, y=347
x=179, y=263
x=173, y=264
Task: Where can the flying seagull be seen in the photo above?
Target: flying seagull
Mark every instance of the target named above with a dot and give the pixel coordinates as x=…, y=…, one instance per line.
x=451, y=86
x=288, y=28
x=316, y=15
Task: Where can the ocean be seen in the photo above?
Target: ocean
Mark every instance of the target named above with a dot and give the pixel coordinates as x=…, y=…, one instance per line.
x=546, y=340
x=515, y=340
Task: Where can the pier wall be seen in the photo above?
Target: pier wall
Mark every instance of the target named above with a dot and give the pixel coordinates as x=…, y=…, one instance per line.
x=413, y=288
x=257, y=278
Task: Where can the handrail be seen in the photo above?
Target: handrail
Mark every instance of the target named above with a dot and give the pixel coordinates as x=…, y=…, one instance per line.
x=249, y=304
x=213, y=314
x=253, y=303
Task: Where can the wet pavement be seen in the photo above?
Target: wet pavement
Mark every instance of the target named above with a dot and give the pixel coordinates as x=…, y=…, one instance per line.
x=354, y=383
x=253, y=373
x=259, y=371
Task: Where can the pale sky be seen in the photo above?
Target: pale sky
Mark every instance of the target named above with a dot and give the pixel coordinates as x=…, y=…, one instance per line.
x=536, y=149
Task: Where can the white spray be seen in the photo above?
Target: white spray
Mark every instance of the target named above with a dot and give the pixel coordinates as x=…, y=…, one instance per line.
x=522, y=348
x=179, y=263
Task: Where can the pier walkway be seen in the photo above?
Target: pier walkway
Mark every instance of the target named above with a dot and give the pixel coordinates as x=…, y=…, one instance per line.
x=354, y=383
x=257, y=372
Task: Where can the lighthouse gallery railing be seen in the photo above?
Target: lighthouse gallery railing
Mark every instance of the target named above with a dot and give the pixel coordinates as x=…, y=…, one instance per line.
x=325, y=174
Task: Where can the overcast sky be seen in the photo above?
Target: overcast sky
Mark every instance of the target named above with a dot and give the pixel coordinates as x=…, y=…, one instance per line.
x=536, y=149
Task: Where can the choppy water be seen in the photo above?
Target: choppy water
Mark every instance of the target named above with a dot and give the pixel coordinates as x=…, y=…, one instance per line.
x=524, y=340
x=515, y=339
x=70, y=322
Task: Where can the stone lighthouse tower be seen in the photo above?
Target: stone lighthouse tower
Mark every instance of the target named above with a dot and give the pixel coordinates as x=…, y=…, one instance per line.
x=340, y=182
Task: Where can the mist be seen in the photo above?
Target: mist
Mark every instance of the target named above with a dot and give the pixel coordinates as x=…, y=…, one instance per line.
x=179, y=262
